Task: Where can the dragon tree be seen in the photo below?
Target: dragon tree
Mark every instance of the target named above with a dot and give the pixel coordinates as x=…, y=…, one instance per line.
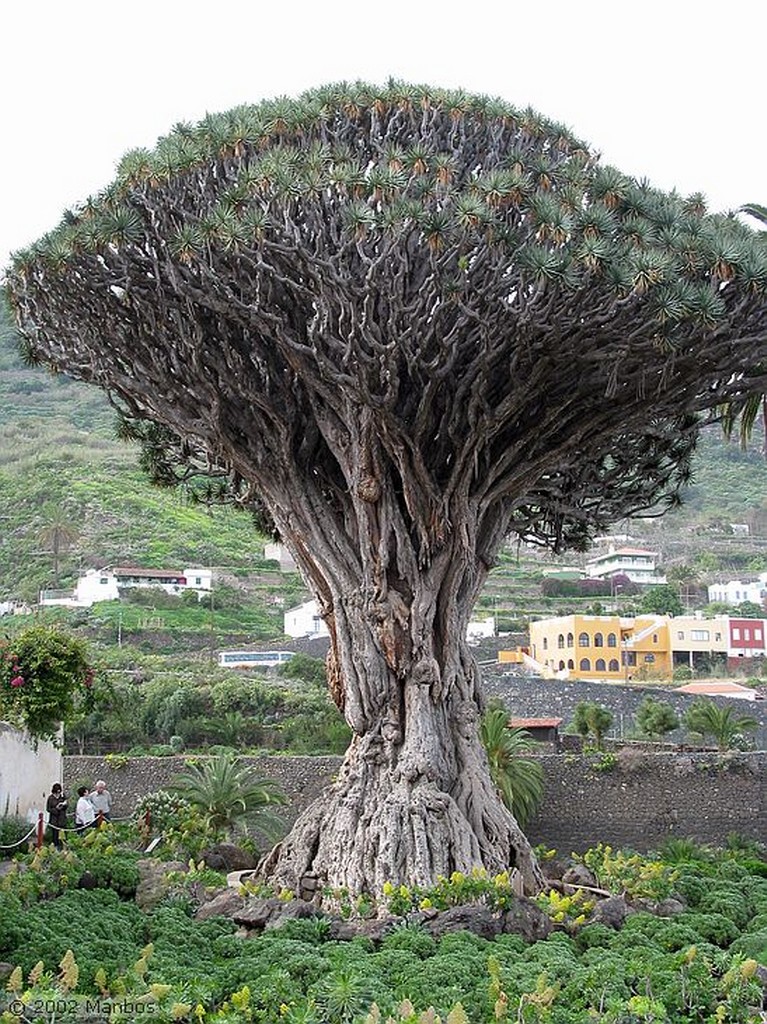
x=409, y=323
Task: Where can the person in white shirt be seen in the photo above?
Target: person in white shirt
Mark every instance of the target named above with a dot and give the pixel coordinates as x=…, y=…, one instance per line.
x=85, y=815
x=101, y=800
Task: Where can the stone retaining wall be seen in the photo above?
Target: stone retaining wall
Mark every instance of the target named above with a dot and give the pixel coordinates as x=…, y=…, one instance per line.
x=638, y=800
x=532, y=696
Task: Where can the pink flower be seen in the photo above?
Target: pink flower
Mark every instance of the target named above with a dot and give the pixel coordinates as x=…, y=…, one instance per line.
x=17, y=681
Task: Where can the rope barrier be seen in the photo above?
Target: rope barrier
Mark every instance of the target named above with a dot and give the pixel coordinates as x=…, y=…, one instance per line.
x=14, y=845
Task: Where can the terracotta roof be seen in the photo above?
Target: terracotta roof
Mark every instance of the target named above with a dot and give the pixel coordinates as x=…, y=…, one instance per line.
x=621, y=551
x=158, y=574
x=720, y=689
x=534, y=723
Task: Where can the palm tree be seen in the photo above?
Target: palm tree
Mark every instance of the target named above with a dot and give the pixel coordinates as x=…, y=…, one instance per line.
x=518, y=779
x=230, y=796
x=57, y=534
x=721, y=723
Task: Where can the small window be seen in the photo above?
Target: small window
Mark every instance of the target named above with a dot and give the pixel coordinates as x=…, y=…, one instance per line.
x=583, y=639
x=585, y=665
x=561, y=666
x=612, y=640
x=614, y=666
x=103, y=581
x=680, y=634
x=545, y=643
x=699, y=634
x=561, y=641
x=757, y=634
x=649, y=658
x=655, y=638
x=717, y=636
x=735, y=633
x=746, y=634
x=570, y=663
x=570, y=639
x=600, y=665
x=598, y=640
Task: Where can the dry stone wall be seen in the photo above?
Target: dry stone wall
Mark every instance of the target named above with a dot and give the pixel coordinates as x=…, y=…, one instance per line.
x=531, y=696
x=638, y=800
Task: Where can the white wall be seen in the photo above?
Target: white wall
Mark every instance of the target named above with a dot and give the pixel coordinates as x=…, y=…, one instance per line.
x=304, y=620
x=26, y=774
x=734, y=592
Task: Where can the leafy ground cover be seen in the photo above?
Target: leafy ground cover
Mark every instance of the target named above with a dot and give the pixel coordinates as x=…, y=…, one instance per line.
x=74, y=949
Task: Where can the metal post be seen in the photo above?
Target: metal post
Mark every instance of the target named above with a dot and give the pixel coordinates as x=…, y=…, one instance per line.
x=40, y=830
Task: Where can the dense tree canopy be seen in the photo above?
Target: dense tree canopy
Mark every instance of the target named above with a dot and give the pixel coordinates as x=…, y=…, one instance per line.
x=519, y=320
x=410, y=321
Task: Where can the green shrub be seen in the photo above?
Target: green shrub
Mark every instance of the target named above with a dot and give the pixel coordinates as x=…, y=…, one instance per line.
x=413, y=938
x=12, y=830
x=714, y=928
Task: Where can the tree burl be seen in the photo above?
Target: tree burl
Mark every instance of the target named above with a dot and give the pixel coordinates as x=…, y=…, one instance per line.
x=412, y=322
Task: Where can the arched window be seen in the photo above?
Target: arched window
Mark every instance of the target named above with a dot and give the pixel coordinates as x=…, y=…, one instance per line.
x=600, y=665
x=570, y=663
x=561, y=641
x=614, y=666
x=583, y=640
x=570, y=639
x=585, y=665
x=598, y=640
x=612, y=640
x=545, y=643
x=561, y=666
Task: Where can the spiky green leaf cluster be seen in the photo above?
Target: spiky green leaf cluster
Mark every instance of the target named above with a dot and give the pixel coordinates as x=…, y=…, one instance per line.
x=448, y=170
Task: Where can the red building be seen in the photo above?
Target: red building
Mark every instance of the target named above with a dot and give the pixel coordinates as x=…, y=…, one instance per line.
x=747, y=641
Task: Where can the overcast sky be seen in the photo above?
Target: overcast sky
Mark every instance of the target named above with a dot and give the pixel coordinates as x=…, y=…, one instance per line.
x=672, y=91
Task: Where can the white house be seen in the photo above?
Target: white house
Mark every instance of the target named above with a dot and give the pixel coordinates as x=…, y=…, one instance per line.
x=277, y=552
x=479, y=629
x=734, y=592
x=106, y=584
x=13, y=607
x=305, y=620
x=636, y=563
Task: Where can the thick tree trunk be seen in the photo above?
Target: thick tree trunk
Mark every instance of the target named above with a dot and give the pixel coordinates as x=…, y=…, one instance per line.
x=414, y=798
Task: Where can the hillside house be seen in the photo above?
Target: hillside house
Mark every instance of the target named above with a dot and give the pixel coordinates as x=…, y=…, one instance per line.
x=275, y=551
x=106, y=584
x=635, y=563
x=735, y=592
x=305, y=621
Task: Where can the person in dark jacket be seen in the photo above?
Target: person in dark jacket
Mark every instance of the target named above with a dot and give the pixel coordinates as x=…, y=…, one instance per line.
x=56, y=806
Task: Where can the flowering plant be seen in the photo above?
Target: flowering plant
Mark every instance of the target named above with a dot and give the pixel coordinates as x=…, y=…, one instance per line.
x=45, y=680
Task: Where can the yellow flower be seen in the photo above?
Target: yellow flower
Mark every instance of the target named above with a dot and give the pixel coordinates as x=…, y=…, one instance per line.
x=388, y=888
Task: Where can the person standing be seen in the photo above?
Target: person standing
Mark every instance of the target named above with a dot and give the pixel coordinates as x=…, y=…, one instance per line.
x=101, y=800
x=85, y=815
x=56, y=806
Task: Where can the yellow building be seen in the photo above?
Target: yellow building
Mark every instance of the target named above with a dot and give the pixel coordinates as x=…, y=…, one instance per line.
x=602, y=647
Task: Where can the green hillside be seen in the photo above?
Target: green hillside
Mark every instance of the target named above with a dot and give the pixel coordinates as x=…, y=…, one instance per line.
x=60, y=461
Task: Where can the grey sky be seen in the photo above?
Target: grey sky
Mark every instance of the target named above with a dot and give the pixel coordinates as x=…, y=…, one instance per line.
x=672, y=90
